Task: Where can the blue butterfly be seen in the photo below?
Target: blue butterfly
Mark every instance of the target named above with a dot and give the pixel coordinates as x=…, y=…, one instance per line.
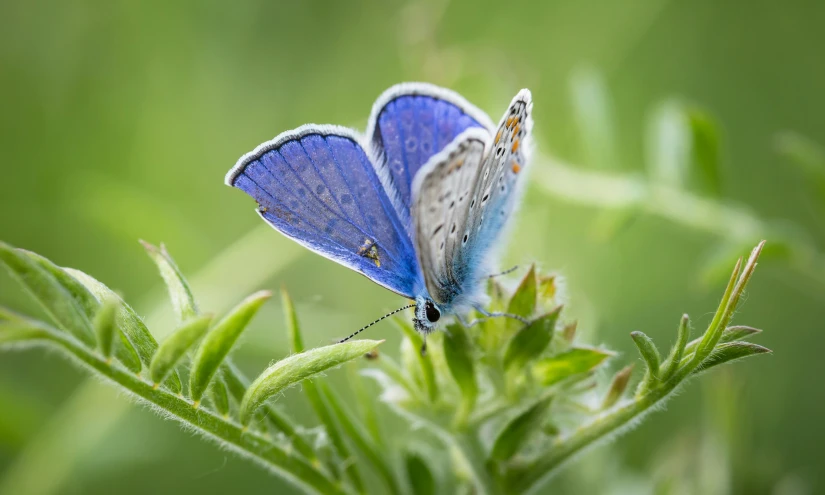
x=415, y=205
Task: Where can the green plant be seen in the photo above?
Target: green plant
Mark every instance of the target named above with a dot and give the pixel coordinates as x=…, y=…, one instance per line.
x=511, y=402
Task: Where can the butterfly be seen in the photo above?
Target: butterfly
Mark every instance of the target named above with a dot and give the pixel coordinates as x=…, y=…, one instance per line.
x=417, y=204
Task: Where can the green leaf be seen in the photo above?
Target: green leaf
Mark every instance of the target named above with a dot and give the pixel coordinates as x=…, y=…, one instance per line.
x=176, y=345
x=356, y=432
x=219, y=397
x=518, y=431
x=807, y=155
x=731, y=351
x=704, y=151
x=90, y=305
x=617, y=387
x=424, y=364
x=531, y=340
x=104, y=325
x=523, y=302
x=673, y=360
x=179, y=292
x=53, y=298
x=591, y=105
x=298, y=367
x=549, y=371
x=219, y=341
x=458, y=352
x=7, y=314
x=419, y=476
x=728, y=335
x=648, y=351
x=22, y=332
x=293, y=329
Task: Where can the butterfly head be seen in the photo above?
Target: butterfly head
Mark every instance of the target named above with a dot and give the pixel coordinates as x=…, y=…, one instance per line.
x=427, y=314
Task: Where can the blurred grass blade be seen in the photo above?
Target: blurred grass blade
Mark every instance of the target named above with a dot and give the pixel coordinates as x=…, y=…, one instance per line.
x=219, y=397
x=673, y=360
x=519, y=430
x=594, y=120
x=617, y=387
x=9, y=315
x=179, y=292
x=296, y=341
x=731, y=351
x=704, y=152
x=649, y=353
x=219, y=341
x=523, y=302
x=356, y=432
x=531, y=340
x=105, y=328
x=22, y=332
x=421, y=362
x=55, y=300
x=175, y=346
x=549, y=371
x=806, y=155
x=419, y=476
x=458, y=352
x=298, y=367
x=668, y=145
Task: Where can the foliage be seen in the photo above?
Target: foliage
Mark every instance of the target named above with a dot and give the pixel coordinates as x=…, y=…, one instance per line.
x=511, y=402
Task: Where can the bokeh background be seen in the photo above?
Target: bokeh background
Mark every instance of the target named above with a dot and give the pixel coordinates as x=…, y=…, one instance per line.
x=671, y=136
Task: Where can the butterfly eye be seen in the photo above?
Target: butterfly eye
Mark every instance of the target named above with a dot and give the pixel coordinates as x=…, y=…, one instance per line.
x=433, y=314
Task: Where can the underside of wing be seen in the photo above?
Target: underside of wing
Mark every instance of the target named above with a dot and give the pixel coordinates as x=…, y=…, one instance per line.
x=442, y=196
x=317, y=186
x=409, y=124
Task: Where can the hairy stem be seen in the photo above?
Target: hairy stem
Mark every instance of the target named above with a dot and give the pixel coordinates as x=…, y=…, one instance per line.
x=304, y=475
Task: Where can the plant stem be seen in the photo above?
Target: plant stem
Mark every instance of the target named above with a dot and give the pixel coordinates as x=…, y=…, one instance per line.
x=294, y=469
x=529, y=478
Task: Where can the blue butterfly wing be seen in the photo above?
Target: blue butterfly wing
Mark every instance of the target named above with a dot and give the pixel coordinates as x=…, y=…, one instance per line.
x=410, y=123
x=317, y=186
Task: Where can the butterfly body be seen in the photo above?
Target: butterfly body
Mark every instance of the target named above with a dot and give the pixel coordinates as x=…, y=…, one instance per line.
x=416, y=205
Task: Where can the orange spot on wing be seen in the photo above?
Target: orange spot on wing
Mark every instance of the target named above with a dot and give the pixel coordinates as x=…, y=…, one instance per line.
x=498, y=136
x=515, y=146
x=509, y=122
x=515, y=129
x=516, y=168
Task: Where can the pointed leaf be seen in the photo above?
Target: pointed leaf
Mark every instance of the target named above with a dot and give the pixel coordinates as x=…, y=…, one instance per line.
x=53, y=298
x=219, y=341
x=549, y=371
x=731, y=351
x=89, y=304
x=179, y=292
x=648, y=351
x=294, y=330
x=617, y=387
x=219, y=397
x=673, y=360
x=523, y=302
x=531, y=340
x=176, y=345
x=728, y=335
x=518, y=431
x=105, y=329
x=298, y=367
x=419, y=475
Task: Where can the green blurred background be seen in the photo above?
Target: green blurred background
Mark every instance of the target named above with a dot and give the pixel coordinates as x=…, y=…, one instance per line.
x=119, y=119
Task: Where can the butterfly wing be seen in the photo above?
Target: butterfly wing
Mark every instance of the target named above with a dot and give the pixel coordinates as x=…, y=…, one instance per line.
x=409, y=124
x=462, y=199
x=317, y=186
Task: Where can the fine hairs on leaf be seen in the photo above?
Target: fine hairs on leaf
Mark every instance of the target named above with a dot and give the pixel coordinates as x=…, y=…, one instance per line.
x=501, y=403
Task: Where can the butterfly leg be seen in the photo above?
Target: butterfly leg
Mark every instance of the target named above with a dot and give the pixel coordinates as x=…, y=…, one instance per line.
x=505, y=272
x=487, y=314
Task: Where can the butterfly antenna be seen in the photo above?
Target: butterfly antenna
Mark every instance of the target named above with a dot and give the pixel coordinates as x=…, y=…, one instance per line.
x=376, y=321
